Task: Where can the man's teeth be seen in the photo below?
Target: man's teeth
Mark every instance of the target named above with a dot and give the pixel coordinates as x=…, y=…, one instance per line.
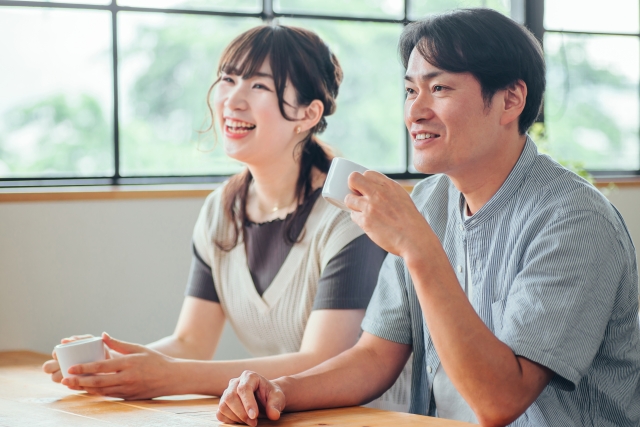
x=426, y=135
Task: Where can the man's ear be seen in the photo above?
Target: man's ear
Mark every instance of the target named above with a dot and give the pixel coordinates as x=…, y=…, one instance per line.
x=312, y=114
x=515, y=97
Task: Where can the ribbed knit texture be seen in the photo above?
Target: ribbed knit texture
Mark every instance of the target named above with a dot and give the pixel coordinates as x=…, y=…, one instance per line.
x=274, y=323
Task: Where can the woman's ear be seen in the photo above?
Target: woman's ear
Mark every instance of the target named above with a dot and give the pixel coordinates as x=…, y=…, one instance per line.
x=312, y=115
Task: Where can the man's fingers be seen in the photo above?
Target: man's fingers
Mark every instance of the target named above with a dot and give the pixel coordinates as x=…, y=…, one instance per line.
x=248, y=384
x=232, y=407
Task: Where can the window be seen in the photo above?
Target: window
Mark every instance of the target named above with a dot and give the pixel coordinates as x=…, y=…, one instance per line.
x=99, y=92
x=592, y=106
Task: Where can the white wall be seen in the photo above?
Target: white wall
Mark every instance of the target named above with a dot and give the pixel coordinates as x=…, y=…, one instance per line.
x=118, y=266
x=83, y=267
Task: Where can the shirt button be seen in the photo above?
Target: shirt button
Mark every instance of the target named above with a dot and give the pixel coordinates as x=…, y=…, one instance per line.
x=461, y=227
x=429, y=369
x=459, y=269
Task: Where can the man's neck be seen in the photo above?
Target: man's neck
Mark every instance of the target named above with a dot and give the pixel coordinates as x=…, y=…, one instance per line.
x=482, y=180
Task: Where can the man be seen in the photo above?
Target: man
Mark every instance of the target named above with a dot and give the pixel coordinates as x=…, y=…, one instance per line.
x=512, y=280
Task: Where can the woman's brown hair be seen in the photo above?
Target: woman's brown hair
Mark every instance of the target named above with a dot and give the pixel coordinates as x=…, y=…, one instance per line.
x=300, y=56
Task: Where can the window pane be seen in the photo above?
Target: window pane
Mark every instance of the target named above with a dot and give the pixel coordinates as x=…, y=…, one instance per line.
x=367, y=126
x=419, y=9
x=248, y=6
x=79, y=1
x=591, y=111
x=619, y=16
x=370, y=8
x=168, y=63
x=57, y=93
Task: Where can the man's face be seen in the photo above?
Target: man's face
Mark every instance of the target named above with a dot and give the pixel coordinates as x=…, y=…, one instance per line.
x=451, y=128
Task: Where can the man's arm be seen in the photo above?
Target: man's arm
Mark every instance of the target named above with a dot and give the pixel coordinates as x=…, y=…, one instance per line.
x=498, y=385
x=354, y=377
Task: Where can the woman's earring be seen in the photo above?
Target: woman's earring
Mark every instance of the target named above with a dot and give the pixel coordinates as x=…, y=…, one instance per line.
x=298, y=129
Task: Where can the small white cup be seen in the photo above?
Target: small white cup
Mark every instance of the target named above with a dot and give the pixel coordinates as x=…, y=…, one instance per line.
x=336, y=187
x=78, y=352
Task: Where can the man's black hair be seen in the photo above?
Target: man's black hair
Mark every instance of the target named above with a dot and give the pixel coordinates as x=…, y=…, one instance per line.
x=493, y=48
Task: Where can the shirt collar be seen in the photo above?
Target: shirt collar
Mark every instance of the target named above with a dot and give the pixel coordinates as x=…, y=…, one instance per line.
x=509, y=186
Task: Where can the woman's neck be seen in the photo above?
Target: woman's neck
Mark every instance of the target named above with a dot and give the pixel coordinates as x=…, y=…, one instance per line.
x=272, y=193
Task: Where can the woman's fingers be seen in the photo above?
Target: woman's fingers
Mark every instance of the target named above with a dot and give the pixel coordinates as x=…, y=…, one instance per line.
x=75, y=338
x=53, y=368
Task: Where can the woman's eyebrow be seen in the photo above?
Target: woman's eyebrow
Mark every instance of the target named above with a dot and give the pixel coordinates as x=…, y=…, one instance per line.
x=259, y=74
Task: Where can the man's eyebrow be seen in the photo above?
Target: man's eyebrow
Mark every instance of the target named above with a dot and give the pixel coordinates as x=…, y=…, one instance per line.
x=424, y=77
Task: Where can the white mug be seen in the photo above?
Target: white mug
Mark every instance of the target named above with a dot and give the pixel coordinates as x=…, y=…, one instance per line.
x=78, y=352
x=336, y=187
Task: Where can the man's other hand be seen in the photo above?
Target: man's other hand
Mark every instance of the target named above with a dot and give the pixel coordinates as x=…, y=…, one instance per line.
x=241, y=401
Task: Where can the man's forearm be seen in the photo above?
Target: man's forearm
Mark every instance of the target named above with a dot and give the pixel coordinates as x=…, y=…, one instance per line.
x=486, y=372
x=354, y=377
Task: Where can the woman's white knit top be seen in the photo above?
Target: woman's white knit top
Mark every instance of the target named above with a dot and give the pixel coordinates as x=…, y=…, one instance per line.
x=274, y=323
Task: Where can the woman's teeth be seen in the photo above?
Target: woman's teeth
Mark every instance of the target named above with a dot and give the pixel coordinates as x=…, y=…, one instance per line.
x=235, y=126
x=426, y=136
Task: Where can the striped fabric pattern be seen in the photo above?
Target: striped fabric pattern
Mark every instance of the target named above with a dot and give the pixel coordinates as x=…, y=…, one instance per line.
x=554, y=276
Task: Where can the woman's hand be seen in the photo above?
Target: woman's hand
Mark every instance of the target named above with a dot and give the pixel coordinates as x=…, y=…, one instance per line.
x=140, y=373
x=52, y=367
x=241, y=401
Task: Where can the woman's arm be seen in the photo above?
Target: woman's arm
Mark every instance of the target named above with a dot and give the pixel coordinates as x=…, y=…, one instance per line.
x=197, y=333
x=327, y=334
x=146, y=373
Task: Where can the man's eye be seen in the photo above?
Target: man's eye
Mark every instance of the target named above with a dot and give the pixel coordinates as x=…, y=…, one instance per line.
x=438, y=88
x=409, y=91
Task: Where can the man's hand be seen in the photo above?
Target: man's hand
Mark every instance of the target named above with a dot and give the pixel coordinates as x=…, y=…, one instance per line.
x=140, y=373
x=247, y=397
x=384, y=210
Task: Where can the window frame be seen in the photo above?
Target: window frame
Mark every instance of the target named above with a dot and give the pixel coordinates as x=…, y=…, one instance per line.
x=533, y=18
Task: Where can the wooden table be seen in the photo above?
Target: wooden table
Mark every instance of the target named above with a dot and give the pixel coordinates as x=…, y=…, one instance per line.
x=29, y=398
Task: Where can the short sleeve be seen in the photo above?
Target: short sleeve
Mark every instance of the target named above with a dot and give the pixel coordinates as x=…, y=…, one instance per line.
x=388, y=315
x=200, y=283
x=561, y=301
x=350, y=277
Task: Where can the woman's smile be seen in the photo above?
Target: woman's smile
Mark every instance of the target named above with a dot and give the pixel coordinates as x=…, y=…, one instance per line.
x=236, y=128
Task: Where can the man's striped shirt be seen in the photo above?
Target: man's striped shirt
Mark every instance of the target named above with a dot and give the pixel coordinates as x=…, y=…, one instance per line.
x=555, y=278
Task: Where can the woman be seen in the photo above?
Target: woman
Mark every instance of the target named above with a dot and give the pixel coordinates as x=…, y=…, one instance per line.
x=290, y=272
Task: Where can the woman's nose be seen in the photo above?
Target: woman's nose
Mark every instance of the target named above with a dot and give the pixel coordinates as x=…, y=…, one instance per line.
x=236, y=99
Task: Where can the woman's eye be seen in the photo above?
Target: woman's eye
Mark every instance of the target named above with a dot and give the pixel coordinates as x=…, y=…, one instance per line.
x=260, y=86
x=227, y=79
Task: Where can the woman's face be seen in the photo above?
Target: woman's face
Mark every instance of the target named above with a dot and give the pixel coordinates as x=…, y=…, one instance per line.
x=254, y=131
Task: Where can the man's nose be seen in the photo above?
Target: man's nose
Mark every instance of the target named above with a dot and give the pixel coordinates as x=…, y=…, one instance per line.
x=421, y=108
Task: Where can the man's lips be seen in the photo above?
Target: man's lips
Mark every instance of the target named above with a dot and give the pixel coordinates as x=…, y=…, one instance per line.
x=423, y=137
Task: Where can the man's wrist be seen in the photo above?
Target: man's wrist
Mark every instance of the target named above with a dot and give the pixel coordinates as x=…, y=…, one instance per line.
x=286, y=385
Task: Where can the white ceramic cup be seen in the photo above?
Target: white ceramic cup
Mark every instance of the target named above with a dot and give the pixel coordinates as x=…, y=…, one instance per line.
x=336, y=186
x=78, y=352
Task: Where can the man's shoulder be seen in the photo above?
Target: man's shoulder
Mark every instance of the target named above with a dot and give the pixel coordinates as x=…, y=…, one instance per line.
x=555, y=186
x=554, y=191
